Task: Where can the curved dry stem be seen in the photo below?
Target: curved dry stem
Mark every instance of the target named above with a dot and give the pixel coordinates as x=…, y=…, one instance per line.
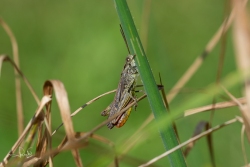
x=85, y=105
x=7, y=58
x=215, y=106
x=19, y=104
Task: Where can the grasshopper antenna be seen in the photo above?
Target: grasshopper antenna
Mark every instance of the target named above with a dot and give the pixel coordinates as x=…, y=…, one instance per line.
x=125, y=40
x=167, y=106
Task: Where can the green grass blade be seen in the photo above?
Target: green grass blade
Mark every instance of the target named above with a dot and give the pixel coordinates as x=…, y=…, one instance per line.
x=167, y=133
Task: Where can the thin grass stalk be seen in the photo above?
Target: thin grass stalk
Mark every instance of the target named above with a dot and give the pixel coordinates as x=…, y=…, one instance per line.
x=19, y=104
x=241, y=34
x=156, y=103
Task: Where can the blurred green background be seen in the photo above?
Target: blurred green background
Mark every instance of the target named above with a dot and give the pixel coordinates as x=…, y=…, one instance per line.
x=79, y=43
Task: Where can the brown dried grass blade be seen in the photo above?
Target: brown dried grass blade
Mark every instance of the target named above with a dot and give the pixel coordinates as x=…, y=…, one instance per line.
x=199, y=128
x=63, y=103
x=19, y=105
x=37, y=118
x=44, y=136
x=241, y=32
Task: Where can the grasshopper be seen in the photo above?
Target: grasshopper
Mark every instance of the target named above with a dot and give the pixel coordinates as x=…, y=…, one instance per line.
x=125, y=94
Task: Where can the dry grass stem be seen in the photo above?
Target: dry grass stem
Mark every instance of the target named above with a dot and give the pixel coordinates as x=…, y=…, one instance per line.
x=4, y=58
x=85, y=105
x=241, y=33
x=215, y=106
x=189, y=141
x=19, y=104
x=91, y=101
x=243, y=145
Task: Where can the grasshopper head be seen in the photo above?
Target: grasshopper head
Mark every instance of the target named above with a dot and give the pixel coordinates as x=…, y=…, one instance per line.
x=130, y=60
